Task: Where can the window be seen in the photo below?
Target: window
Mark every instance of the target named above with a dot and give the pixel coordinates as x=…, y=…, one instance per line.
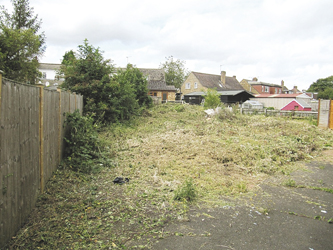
x=188, y=85
x=266, y=89
x=195, y=85
x=296, y=107
x=262, y=89
x=44, y=75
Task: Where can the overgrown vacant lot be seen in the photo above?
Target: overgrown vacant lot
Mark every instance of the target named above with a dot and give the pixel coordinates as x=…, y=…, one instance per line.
x=226, y=156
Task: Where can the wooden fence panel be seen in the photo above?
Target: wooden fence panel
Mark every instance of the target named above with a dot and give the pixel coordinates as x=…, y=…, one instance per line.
x=31, y=146
x=29, y=151
x=9, y=159
x=50, y=133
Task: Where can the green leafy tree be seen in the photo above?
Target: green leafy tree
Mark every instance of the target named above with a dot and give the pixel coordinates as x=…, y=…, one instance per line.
x=324, y=87
x=108, y=97
x=175, y=71
x=212, y=99
x=134, y=76
x=321, y=84
x=326, y=94
x=20, y=42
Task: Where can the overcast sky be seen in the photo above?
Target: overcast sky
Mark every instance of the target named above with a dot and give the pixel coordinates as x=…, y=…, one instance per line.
x=271, y=40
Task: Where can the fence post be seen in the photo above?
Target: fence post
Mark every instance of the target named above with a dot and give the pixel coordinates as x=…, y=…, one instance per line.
x=60, y=126
x=1, y=72
x=41, y=136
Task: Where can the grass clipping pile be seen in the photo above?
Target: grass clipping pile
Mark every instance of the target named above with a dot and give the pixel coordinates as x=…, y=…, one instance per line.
x=169, y=152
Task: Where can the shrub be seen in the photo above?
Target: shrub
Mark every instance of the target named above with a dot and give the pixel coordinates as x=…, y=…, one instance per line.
x=83, y=148
x=212, y=99
x=186, y=192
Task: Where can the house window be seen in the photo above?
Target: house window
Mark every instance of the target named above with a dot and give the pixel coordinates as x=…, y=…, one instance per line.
x=44, y=75
x=262, y=89
x=296, y=107
x=266, y=89
x=153, y=93
x=195, y=85
x=276, y=91
x=188, y=85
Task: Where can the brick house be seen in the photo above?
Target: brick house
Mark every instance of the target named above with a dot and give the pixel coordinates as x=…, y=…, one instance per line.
x=256, y=87
x=229, y=88
x=157, y=85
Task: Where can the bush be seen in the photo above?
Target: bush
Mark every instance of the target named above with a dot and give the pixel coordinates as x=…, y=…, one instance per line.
x=83, y=148
x=186, y=192
x=212, y=99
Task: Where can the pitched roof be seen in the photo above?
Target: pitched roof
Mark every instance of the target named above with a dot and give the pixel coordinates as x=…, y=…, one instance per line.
x=264, y=84
x=51, y=66
x=300, y=102
x=154, y=74
x=214, y=81
x=221, y=92
x=160, y=85
x=277, y=95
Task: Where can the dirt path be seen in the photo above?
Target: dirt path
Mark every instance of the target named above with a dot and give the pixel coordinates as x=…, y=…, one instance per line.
x=281, y=215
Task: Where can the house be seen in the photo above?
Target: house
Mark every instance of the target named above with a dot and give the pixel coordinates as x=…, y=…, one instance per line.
x=278, y=101
x=157, y=85
x=196, y=84
x=49, y=74
x=246, y=84
x=294, y=90
x=255, y=87
x=297, y=105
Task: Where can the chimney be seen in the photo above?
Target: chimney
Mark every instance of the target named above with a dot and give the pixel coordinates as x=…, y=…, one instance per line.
x=223, y=77
x=234, y=77
x=255, y=79
x=282, y=83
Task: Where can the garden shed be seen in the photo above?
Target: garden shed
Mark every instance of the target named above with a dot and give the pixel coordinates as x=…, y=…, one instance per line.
x=297, y=105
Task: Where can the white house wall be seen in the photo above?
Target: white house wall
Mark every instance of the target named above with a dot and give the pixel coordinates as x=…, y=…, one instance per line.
x=276, y=103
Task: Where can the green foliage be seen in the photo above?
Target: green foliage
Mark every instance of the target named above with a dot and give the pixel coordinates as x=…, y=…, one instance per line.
x=107, y=97
x=84, y=151
x=321, y=84
x=20, y=43
x=175, y=71
x=186, y=192
x=134, y=77
x=324, y=87
x=84, y=66
x=212, y=99
x=326, y=94
x=289, y=183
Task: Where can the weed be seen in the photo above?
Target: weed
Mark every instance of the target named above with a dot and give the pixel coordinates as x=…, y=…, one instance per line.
x=330, y=220
x=83, y=147
x=186, y=192
x=289, y=183
x=317, y=217
x=241, y=187
x=329, y=190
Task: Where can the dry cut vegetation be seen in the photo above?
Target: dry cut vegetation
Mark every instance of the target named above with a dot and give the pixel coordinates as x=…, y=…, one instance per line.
x=227, y=155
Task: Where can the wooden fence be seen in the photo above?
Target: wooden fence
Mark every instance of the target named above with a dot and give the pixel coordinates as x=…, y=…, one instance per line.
x=31, y=147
